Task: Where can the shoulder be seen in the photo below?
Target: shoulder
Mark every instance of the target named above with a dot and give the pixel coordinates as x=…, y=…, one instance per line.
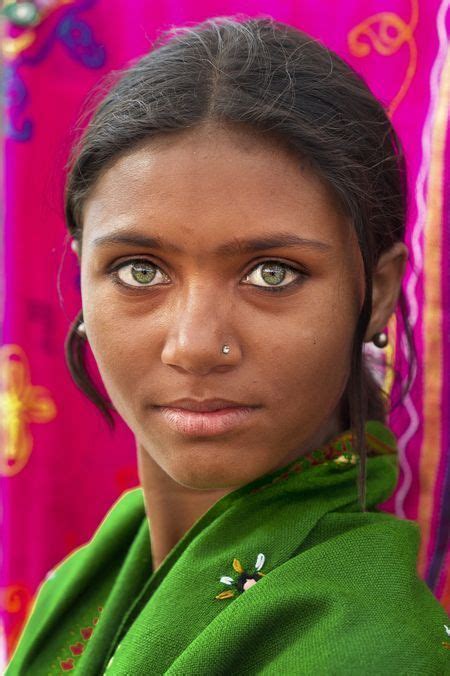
x=370, y=557
x=119, y=522
x=362, y=567
x=350, y=601
x=70, y=576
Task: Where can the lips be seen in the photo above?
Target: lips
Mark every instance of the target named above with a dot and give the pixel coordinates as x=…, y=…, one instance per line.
x=205, y=423
x=205, y=417
x=205, y=404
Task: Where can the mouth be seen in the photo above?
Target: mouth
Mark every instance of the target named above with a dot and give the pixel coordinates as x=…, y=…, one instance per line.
x=206, y=423
x=205, y=404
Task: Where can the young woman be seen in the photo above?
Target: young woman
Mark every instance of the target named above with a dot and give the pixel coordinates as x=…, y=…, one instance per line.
x=237, y=205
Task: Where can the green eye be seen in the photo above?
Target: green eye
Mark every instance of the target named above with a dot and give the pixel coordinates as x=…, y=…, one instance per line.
x=273, y=273
x=137, y=273
x=142, y=273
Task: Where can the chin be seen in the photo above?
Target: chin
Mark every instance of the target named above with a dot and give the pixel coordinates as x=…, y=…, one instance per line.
x=205, y=476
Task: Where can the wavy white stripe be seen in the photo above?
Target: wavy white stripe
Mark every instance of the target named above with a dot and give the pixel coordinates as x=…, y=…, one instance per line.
x=416, y=246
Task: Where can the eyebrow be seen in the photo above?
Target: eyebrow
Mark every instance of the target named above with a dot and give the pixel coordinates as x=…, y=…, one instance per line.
x=236, y=246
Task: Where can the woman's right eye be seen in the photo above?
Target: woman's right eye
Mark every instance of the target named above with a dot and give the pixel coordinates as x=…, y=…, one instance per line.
x=137, y=273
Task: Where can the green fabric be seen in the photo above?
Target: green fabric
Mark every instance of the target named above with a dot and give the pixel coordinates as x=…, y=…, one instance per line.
x=339, y=592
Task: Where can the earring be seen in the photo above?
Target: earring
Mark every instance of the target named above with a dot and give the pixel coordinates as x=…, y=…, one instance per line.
x=380, y=339
x=81, y=330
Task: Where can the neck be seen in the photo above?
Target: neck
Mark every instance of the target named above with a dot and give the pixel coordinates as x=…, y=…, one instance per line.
x=172, y=508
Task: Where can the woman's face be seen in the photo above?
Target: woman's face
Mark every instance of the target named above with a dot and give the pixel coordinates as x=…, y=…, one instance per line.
x=287, y=310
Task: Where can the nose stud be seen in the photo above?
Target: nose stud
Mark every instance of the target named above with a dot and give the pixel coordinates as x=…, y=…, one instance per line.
x=226, y=349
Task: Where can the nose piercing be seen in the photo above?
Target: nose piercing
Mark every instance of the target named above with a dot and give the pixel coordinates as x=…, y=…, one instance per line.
x=225, y=349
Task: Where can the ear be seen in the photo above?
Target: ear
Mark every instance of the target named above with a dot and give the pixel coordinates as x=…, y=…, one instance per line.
x=387, y=282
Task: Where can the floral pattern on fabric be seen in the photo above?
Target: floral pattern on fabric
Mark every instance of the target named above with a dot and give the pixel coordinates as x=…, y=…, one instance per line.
x=244, y=581
x=67, y=662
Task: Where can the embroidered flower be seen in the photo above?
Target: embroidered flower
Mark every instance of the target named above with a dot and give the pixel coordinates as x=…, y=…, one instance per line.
x=345, y=460
x=446, y=644
x=245, y=579
x=67, y=665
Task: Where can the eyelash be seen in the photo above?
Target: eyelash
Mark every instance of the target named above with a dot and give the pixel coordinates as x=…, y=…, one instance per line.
x=272, y=289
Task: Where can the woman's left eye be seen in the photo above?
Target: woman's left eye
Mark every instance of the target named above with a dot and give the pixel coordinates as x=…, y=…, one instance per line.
x=274, y=273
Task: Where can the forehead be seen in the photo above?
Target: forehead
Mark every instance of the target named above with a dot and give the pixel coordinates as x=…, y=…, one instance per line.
x=217, y=182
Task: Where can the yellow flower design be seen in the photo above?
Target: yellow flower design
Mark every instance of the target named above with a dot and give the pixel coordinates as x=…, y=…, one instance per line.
x=20, y=403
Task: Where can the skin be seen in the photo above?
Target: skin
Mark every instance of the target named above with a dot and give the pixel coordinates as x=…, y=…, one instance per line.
x=290, y=351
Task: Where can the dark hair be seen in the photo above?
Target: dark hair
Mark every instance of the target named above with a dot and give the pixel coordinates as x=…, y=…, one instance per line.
x=276, y=80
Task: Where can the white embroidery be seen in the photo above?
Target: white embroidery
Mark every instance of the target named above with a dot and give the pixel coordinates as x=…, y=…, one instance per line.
x=260, y=561
x=227, y=580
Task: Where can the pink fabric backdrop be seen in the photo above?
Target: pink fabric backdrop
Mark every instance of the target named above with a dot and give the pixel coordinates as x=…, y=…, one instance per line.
x=60, y=467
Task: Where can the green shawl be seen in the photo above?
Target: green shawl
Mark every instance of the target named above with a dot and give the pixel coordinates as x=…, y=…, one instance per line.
x=282, y=576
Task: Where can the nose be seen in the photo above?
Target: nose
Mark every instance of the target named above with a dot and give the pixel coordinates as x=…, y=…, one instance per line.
x=198, y=327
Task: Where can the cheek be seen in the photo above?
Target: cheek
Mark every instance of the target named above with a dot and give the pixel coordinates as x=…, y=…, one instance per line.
x=113, y=355
x=112, y=340
x=311, y=363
